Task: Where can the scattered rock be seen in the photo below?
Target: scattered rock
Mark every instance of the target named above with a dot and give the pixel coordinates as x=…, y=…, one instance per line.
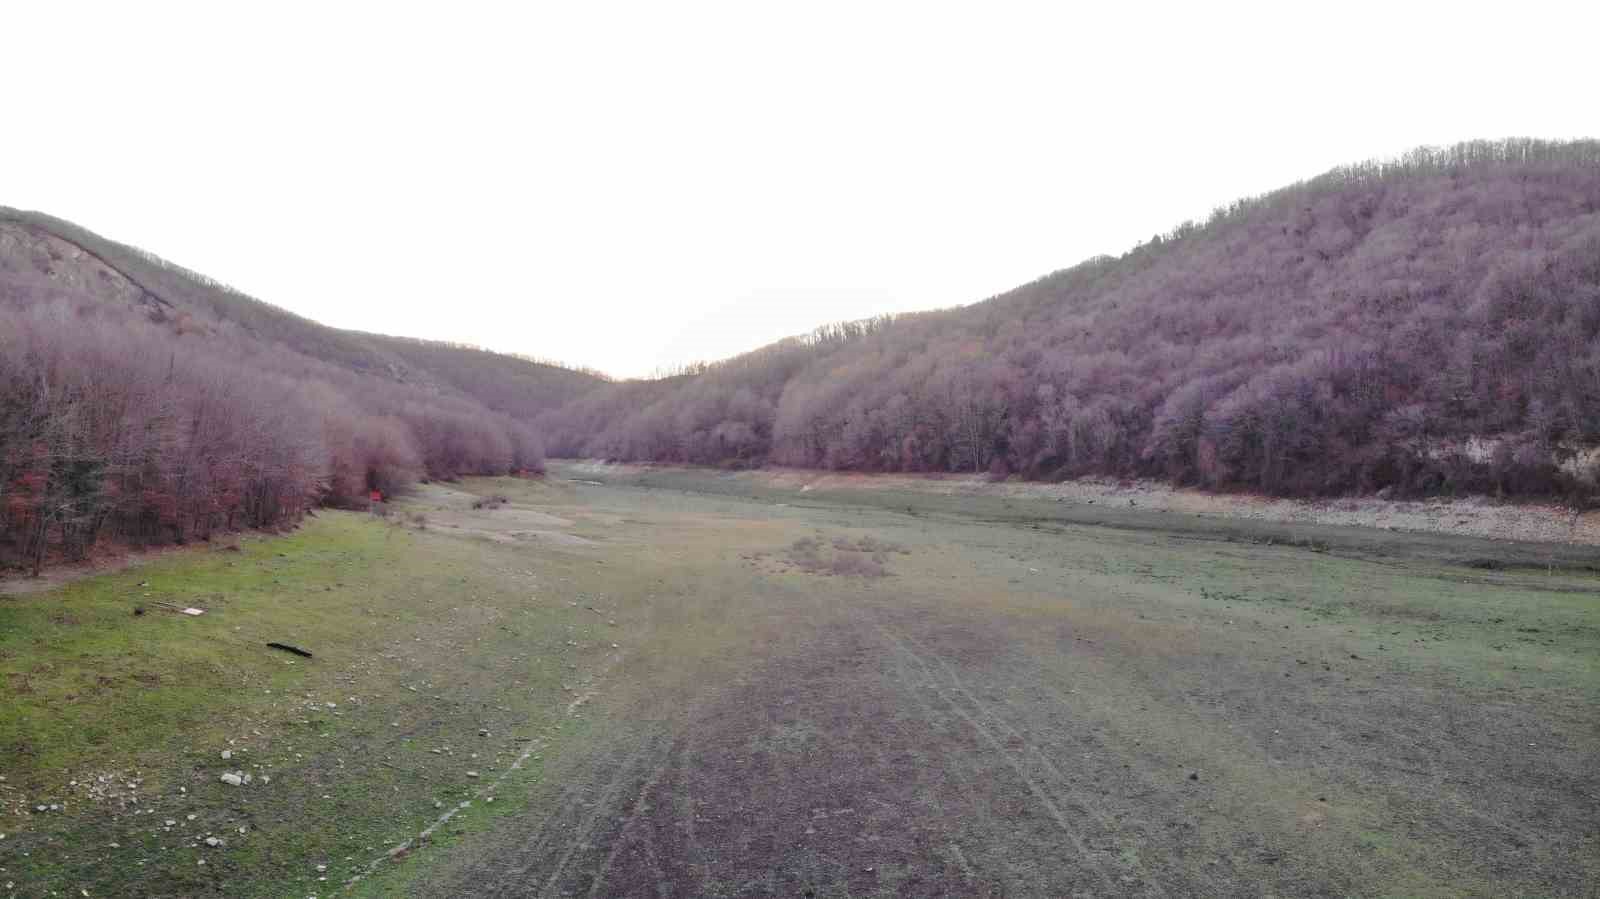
x=213, y=842
x=472, y=774
x=231, y=779
x=227, y=754
x=1194, y=775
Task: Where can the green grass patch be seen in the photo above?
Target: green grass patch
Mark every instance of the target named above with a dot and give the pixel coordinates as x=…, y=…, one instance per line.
x=433, y=656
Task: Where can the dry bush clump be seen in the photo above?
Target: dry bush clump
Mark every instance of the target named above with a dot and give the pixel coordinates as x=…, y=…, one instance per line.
x=864, y=558
x=870, y=545
x=854, y=564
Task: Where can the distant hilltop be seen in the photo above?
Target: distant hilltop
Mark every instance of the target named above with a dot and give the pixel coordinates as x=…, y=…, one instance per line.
x=1418, y=326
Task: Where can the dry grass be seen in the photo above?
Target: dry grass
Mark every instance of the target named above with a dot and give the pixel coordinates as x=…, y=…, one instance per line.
x=839, y=557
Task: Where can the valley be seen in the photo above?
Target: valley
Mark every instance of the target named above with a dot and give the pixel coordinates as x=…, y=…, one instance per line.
x=670, y=690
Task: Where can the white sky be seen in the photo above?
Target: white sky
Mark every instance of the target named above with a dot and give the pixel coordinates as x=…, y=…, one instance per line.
x=629, y=186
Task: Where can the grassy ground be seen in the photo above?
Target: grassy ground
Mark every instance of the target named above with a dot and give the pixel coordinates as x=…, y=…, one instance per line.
x=422, y=643
x=719, y=693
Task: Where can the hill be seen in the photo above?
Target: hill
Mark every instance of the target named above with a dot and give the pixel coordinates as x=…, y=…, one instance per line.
x=1423, y=325
x=147, y=402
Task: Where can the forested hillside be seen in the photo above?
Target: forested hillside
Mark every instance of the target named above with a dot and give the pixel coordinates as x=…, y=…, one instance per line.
x=143, y=402
x=1423, y=325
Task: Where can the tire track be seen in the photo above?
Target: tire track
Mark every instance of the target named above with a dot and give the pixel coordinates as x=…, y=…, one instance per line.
x=626, y=833
x=528, y=751
x=1040, y=794
x=602, y=806
x=969, y=776
x=986, y=710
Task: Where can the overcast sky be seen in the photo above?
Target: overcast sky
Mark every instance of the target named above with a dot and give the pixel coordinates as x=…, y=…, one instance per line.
x=630, y=186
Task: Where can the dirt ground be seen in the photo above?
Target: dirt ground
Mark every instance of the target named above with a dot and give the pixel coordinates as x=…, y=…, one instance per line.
x=1016, y=710
x=681, y=683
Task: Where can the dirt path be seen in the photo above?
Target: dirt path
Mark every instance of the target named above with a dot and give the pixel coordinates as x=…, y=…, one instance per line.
x=1093, y=713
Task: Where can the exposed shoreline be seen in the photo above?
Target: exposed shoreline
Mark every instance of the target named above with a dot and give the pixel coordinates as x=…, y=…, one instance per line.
x=1477, y=516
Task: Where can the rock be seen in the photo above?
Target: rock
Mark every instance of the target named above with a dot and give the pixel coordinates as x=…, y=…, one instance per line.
x=232, y=780
x=1194, y=775
x=227, y=754
x=472, y=774
x=213, y=842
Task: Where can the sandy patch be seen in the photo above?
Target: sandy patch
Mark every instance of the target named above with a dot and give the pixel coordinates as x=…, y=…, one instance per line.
x=451, y=511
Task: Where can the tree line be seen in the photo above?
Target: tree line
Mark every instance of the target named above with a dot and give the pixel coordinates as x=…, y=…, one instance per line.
x=1421, y=325
x=144, y=405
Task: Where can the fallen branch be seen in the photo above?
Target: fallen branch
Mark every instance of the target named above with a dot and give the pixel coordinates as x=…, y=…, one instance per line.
x=287, y=648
